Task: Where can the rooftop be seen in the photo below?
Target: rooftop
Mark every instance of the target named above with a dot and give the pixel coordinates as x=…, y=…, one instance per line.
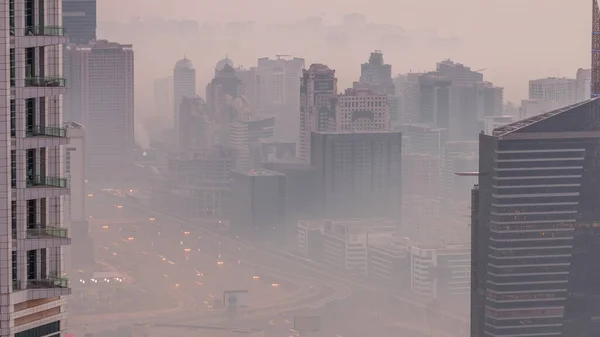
x=512, y=127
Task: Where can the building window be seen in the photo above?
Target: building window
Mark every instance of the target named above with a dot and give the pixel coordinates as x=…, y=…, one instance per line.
x=13, y=71
x=13, y=214
x=14, y=266
x=13, y=118
x=43, y=330
x=31, y=213
x=32, y=264
x=13, y=169
x=43, y=260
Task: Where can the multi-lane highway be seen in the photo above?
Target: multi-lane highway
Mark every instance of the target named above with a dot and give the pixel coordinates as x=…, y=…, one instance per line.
x=184, y=270
x=287, y=264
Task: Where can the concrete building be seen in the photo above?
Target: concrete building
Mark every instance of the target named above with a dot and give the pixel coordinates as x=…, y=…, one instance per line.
x=493, y=122
x=244, y=134
x=32, y=282
x=163, y=96
x=184, y=85
x=300, y=187
x=560, y=90
x=251, y=82
x=389, y=262
x=317, y=113
x=534, y=107
x=441, y=273
x=197, y=185
x=79, y=20
x=535, y=230
x=258, y=204
x=102, y=89
x=278, y=97
x=343, y=243
x=376, y=76
x=225, y=87
x=359, y=110
x=357, y=174
x=583, y=85
x=193, y=131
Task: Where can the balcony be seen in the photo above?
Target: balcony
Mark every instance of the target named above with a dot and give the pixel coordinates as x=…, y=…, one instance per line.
x=41, y=232
x=46, y=131
x=45, y=31
x=50, y=286
x=46, y=181
x=49, y=282
x=46, y=82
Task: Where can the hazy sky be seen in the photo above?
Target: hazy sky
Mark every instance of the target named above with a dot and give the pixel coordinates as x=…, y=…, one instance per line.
x=515, y=39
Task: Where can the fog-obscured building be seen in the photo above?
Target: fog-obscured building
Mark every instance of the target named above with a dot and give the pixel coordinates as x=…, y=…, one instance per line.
x=244, y=134
x=258, y=204
x=102, y=99
x=79, y=19
x=197, y=184
x=317, y=112
x=357, y=174
x=279, y=94
x=184, y=85
x=376, y=76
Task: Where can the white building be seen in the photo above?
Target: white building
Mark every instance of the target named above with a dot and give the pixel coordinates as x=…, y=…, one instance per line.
x=441, y=272
x=344, y=243
x=560, y=90
x=32, y=282
x=362, y=110
x=492, y=122
x=277, y=94
x=584, y=84
x=534, y=107
x=184, y=85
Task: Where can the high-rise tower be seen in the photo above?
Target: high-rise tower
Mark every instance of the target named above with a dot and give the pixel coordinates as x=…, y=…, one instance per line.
x=317, y=112
x=184, y=85
x=79, y=19
x=32, y=281
x=102, y=88
x=595, y=49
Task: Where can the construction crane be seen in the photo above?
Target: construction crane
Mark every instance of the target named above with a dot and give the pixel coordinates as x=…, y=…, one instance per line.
x=480, y=70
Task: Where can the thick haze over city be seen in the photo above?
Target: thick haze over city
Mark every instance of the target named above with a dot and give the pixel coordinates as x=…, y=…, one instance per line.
x=403, y=168
x=515, y=40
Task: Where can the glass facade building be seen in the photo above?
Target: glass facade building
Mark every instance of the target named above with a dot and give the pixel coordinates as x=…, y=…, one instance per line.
x=536, y=227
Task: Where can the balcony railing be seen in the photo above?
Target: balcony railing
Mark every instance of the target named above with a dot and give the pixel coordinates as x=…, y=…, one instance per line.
x=44, y=31
x=48, y=131
x=16, y=285
x=48, y=282
x=39, y=231
x=39, y=180
x=54, y=82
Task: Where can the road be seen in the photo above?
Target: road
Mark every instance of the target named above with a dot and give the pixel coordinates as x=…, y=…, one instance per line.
x=288, y=264
x=180, y=265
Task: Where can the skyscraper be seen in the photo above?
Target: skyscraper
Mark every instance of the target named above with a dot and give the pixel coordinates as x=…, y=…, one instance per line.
x=184, y=85
x=536, y=232
x=279, y=87
x=361, y=110
x=376, y=75
x=317, y=112
x=102, y=86
x=79, y=20
x=32, y=281
x=357, y=174
x=224, y=87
